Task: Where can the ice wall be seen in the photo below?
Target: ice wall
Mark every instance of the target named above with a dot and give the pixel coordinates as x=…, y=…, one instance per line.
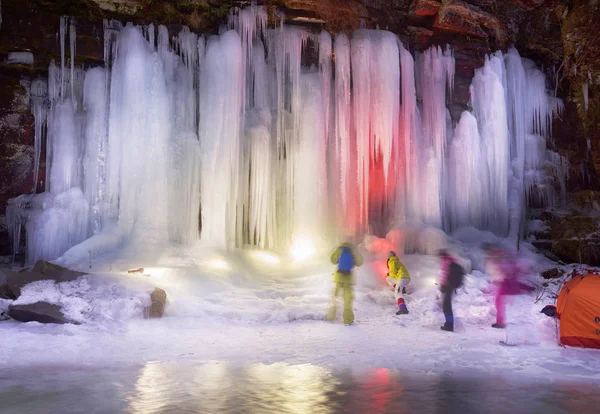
x=279, y=137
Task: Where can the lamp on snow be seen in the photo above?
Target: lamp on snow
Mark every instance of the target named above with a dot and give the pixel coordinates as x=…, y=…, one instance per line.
x=302, y=249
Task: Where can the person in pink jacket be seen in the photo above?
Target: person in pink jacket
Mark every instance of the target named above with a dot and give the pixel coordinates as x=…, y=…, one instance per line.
x=505, y=272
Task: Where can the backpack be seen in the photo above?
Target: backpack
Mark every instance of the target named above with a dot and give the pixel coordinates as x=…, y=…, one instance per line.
x=346, y=261
x=455, y=275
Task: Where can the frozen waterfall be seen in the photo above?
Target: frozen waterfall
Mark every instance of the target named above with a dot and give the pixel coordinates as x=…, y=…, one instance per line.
x=277, y=136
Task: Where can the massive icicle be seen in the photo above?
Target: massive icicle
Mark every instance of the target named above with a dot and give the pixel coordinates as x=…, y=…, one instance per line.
x=436, y=77
x=39, y=108
x=138, y=140
x=375, y=60
x=220, y=127
x=488, y=98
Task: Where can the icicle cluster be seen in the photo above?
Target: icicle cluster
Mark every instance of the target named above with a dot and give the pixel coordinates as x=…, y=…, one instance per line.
x=237, y=140
x=501, y=154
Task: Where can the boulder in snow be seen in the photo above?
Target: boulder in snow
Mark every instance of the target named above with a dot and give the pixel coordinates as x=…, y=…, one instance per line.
x=157, y=308
x=42, y=270
x=6, y=293
x=553, y=273
x=42, y=312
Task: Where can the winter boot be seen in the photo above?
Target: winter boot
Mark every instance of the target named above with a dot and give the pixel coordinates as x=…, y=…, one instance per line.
x=498, y=325
x=448, y=326
x=402, y=310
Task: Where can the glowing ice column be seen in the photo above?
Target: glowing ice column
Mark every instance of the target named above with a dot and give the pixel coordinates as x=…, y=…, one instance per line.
x=518, y=113
x=517, y=109
x=488, y=98
x=181, y=63
x=361, y=57
x=220, y=127
x=250, y=23
x=139, y=131
x=64, y=139
x=344, y=185
x=376, y=94
x=436, y=74
x=542, y=167
x=285, y=52
x=325, y=69
x=325, y=62
x=309, y=170
x=96, y=141
x=409, y=140
x=261, y=201
x=467, y=176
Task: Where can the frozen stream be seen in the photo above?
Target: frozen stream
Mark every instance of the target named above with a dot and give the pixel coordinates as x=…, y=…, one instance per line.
x=211, y=387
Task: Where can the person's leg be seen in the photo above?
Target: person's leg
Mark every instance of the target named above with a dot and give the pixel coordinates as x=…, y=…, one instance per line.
x=447, y=308
x=348, y=303
x=500, y=310
x=333, y=303
x=402, y=283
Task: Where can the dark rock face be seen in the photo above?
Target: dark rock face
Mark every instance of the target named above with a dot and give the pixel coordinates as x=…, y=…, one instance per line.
x=159, y=302
x=42, y=312
x=425, y=8
x=573, y=236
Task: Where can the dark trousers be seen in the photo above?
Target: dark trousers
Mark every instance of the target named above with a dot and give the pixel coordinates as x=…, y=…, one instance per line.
x=447, y=303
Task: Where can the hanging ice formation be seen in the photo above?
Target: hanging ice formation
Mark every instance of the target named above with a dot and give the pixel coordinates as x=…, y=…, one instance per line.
x=258, y=137
x=507, y=153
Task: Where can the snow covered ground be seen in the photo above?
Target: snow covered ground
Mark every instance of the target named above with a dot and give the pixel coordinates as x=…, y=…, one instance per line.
x=254, y=307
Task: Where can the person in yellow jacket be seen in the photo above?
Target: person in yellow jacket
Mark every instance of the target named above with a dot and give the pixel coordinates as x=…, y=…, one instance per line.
x=398, y=278
x=346, y=257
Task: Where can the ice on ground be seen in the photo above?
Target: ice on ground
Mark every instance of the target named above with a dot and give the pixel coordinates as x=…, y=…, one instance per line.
x=257, y=307
x=95, y=299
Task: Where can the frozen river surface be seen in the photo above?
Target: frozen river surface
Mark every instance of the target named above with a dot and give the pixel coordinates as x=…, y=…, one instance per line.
x=218, y=387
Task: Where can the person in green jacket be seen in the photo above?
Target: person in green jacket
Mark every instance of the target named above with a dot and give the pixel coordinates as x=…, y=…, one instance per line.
x=346, y=257
x=398, y=278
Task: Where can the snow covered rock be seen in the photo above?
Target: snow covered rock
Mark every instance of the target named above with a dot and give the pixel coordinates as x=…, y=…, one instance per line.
x=157, y=308
x=42, y=312
x=42, y=270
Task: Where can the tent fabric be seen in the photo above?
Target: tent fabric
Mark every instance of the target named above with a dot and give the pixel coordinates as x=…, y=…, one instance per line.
x=578, y=309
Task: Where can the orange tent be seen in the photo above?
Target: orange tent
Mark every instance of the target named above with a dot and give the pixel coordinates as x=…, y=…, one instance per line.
x=578, y=309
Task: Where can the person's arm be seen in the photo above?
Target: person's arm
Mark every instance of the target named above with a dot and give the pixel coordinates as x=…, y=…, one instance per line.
x=358, y=259
x=445, y=267
x=335, y=257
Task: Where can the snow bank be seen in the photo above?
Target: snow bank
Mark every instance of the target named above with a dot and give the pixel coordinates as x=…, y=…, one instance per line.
x=89, y=299
x=537, y=226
